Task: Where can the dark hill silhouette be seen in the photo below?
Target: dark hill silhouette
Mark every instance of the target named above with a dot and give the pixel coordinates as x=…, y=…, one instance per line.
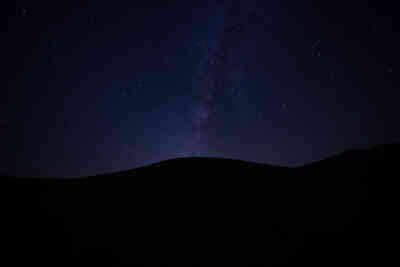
x=339, y=210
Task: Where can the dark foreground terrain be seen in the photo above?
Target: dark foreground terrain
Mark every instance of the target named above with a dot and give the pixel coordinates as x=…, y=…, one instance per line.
x=343, y=210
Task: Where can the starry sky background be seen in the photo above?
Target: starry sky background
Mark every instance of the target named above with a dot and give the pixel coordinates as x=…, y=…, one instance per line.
x=94, y=87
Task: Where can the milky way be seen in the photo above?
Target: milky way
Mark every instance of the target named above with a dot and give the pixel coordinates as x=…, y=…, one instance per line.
x=218, y=74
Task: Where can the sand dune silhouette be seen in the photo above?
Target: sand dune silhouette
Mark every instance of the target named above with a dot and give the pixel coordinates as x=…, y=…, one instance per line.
x=202, y=210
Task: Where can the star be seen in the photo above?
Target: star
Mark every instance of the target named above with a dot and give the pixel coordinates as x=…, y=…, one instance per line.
x=332, y=75
x=92, y=19
x=316, y=43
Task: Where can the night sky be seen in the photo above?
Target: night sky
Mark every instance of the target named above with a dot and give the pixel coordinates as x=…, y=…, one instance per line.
x=103, y=86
